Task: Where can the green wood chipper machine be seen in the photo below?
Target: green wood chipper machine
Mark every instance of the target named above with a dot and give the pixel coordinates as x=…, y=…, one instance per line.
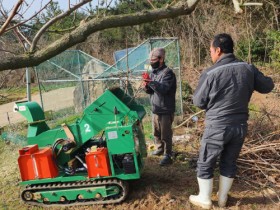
x=88, y=162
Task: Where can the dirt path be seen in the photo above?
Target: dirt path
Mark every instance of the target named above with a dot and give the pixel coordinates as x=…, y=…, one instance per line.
x=53, y=100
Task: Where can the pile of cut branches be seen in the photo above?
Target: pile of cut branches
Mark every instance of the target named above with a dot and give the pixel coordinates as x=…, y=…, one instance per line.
x=259, y=159
x=259, y=163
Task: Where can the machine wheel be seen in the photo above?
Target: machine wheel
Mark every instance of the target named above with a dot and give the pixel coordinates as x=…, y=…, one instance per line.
x=99, y=197
x=28, y=196
x=63, y=200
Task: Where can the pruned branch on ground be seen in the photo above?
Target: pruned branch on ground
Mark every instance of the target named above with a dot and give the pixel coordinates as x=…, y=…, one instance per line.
x=259, y=160
x=237, y=5
x=261, y=163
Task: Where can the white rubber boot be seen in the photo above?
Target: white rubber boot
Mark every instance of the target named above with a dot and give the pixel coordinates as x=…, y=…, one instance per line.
x=203, y=199
x=225, y=184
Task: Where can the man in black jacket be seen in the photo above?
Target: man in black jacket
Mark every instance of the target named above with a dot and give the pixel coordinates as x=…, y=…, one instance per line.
x=162, y=89
x=224, y=91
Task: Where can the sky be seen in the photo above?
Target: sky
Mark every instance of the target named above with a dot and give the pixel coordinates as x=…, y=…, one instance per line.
x=35, y=5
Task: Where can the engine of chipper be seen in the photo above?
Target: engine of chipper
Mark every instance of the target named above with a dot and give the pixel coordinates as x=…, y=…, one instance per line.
x=87, y=162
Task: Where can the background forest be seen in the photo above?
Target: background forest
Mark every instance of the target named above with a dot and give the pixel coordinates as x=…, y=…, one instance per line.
x=255, y=31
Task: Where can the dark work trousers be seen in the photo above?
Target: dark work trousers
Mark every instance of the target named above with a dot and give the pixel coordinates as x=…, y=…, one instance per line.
x=163, y=132
x=223, y=141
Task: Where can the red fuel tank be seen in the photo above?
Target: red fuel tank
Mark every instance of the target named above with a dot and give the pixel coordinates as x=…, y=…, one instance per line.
x=36, y=164
x=98, y=164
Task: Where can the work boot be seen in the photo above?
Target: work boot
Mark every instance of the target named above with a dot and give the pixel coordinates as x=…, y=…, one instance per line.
x=203, y=199
x=157, y=152
x=225, y=184
x=167, y=160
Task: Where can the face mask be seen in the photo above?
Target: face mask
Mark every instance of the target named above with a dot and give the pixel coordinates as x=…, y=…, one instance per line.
x=155, y=65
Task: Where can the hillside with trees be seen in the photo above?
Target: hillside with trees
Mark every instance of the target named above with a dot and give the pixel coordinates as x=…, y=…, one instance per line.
x=255, y=30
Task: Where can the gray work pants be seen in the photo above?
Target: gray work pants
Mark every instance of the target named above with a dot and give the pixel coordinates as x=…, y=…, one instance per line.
x=224, y=142
x=163, y=132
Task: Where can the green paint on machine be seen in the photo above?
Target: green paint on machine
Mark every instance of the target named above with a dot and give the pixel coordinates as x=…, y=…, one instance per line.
x=89, y=161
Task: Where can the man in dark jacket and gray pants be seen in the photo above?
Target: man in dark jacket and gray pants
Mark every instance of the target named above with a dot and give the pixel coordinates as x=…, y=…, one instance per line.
x=224, y=91
x=162, y=89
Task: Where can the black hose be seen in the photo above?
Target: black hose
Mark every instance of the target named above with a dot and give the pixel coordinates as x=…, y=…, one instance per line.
x=55, y=155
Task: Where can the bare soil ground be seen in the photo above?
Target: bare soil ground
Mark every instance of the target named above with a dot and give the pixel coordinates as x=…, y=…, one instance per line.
x=159, y=188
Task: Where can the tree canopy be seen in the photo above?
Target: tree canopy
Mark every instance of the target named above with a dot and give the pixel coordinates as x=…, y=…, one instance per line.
x=37, y=53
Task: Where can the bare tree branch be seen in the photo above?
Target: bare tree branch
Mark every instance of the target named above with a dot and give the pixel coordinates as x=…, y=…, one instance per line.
x=19, y=35
x=3, y=78
x=23, y=37
x=84, y=30
x=151, y=4
x=52, y=21
x=7, y=51
x=276, y=12
x=2, y=12
x=28, y=7
x=62, y=30
x=21, y=23
x=9, y=19
x=36, y=28
x=109, y=4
